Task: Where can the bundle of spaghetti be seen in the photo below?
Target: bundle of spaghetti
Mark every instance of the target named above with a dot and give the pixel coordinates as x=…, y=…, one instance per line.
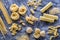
x=5, y=13
x=3, y=27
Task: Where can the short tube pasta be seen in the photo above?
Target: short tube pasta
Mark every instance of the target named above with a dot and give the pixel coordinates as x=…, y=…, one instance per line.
x=46, y=7
x=51, y=16
x=42, y=18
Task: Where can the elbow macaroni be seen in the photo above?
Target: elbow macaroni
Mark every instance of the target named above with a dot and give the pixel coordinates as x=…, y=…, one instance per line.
x=46, y=7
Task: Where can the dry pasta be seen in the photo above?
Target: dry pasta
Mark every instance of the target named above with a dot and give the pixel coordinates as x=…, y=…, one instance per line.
x=46, y=7
x=32, y=11
x=22, y=10
x=42, y=18
x=29, y=30
x=54, y=10
x=51, y=16
x=3, y=27
x=5, y=13
x=15, y=16
x=13, y=7
x=23, y=37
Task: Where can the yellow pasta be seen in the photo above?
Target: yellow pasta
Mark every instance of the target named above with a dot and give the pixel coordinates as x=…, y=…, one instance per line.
x=13, y=7
x=54, y=10
x=22, y=10
x=42, y=18
x=32, y=11
x=46, y=7
x=51, y=16
x=51, y=37
x=15, y=16
x=5, y=13
x=23, y=37
x=3, y=27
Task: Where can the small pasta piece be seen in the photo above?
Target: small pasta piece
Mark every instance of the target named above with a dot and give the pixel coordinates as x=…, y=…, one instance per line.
x=23, y=24
x=42, y=33
x=15, y=16
x=32, y=11
x=51, y=16
x=29, y=30
x=23, y=37
x=51, y=37
x=14, y=28
x=22, y=10
x=37, y=30
x=13, y=32
x=13, y=7
x=46, y=7
x=42, y=18
x=37, y=33
x=54, y=10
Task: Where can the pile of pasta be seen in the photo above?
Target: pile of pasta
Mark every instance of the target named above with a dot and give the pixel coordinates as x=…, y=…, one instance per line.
x=17, y=12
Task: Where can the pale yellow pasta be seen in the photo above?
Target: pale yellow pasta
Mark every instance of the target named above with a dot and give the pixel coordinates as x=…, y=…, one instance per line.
x=23, y=37
x=3, y=27
x=54, y=10
x=51, y=16
x=42, y=33
x=14, y=28
x=46, y=7
x=51, y=37
x=15, y=16
x=5, y=13
x=22, y=10
x=37, y=33
x=32, y=11
x=13, y=7
x=29, y=30
x=42, y=18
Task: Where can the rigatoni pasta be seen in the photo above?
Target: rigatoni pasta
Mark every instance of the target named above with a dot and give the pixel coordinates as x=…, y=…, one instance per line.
x=5, y=13
x=46, y=7
x=51, y=16
x=42, y=18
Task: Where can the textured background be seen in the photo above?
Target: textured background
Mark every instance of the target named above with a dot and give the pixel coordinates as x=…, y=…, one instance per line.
x=39, y=24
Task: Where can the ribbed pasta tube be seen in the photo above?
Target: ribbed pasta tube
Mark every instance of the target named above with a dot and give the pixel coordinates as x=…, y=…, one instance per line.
x=46, y=7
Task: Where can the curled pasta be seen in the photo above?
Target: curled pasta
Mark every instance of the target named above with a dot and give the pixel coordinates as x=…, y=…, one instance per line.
x=54, y=10
x=15, y=16
x=22, y=10
x=13, y=7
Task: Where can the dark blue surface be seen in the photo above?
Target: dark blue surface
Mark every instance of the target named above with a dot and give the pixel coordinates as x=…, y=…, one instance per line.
x=39, y=24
